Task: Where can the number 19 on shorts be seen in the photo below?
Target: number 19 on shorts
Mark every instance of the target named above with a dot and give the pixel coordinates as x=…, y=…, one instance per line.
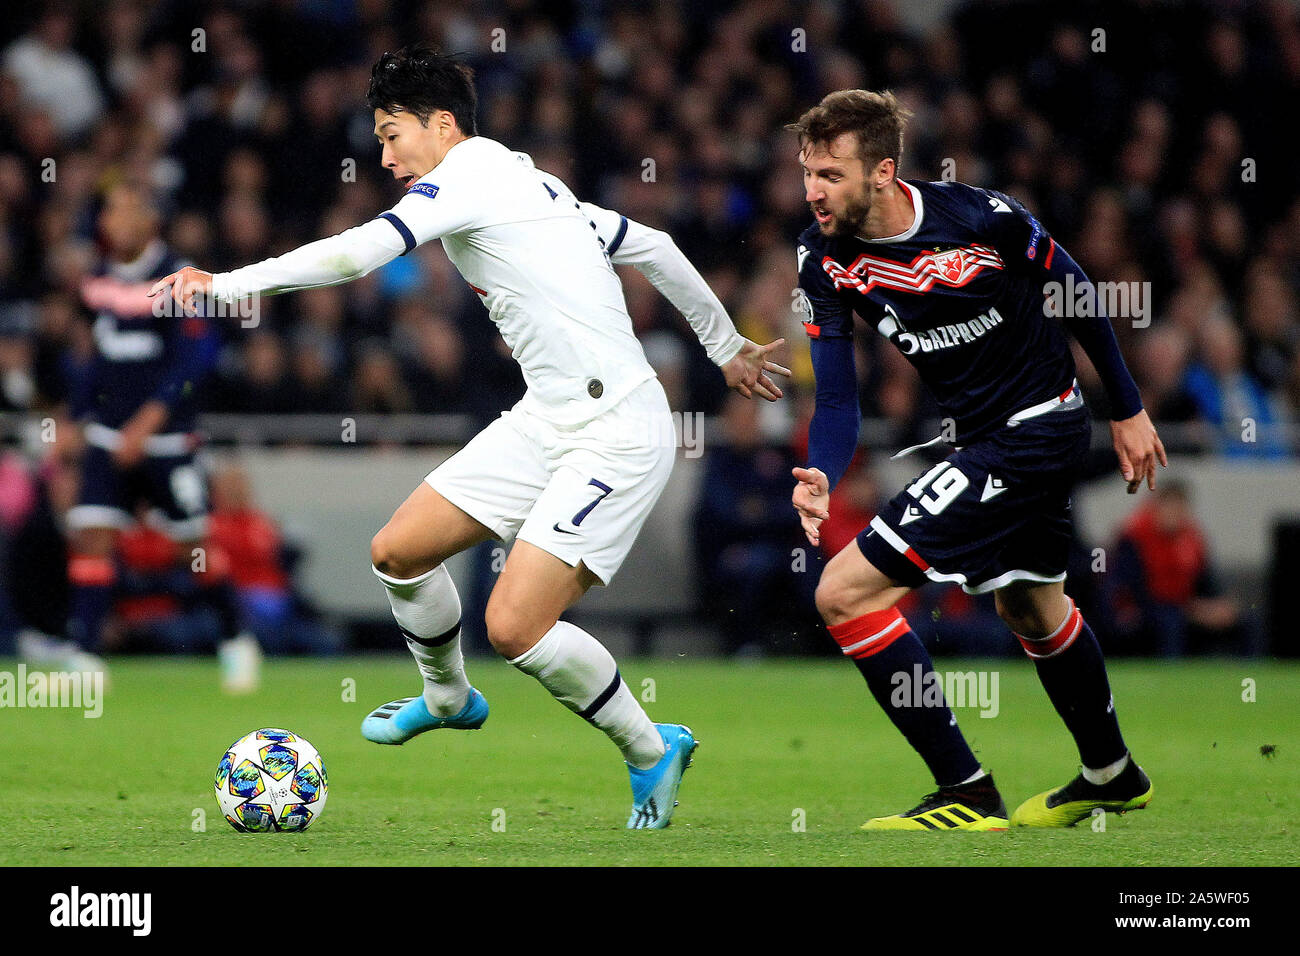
x=945, y=482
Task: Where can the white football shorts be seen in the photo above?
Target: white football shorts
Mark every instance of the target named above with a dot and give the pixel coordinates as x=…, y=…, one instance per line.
x=581, y=493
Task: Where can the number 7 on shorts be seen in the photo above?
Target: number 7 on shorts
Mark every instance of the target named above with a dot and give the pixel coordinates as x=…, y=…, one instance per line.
x=604, y=493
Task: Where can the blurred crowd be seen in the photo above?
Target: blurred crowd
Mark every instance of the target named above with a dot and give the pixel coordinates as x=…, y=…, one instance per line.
x=1147, y=136
x=158, y=606
x=1143, y=134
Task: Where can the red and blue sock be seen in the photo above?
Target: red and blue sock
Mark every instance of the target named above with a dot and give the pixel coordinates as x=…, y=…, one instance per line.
x=1070, y=665
x=882, y=645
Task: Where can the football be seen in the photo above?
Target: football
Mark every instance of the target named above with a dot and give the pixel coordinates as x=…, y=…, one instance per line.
x=271, y=781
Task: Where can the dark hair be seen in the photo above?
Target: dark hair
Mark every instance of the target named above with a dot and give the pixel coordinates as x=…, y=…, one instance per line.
x=421, y=81
x=1175, y=488
x=877, y=119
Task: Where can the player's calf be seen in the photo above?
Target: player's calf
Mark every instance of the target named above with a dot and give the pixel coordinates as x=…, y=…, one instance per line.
x=856, y=600
x=408, y=554
x=581, y=674
x=427, y=611
x=1070, y=665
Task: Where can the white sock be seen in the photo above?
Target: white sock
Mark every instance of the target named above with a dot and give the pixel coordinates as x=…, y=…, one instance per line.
x=1105, y=774
x=977, y=775
x=581, y=675
x=427, y=610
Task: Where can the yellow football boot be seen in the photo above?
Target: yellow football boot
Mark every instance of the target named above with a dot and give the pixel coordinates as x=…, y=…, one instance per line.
x=1077, y=800
x=970, y=806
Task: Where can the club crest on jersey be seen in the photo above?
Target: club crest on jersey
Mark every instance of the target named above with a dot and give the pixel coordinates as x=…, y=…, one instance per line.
x=949, y=265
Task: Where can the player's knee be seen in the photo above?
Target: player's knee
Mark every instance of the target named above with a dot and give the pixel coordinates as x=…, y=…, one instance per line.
x=510, y=632
x=381, y=555
x=387, y=556
x=827, y=599
x=1022, y=614
x=839, y=600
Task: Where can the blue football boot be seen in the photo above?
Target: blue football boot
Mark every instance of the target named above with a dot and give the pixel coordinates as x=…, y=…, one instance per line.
x=654, y=791
x=398, y=721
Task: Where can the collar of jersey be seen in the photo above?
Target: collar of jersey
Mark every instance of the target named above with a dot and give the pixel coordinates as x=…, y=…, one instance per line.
x=917, y=206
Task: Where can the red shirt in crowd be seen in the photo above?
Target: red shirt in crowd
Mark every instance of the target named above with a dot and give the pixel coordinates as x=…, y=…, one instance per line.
x=1172, y=563
x=251, y=542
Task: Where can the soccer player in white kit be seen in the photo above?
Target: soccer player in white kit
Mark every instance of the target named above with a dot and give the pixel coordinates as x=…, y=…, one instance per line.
x=572, y=471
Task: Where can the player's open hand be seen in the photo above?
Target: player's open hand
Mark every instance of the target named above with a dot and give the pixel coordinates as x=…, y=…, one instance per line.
x=1138, y=448
x=185, y=284
x=748, y=371
x=812, y=501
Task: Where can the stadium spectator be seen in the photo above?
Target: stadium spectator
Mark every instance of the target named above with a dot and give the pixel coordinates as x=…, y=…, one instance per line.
x=259, y=380
x=34, y=591
x=54, y=77
x=1272, y=330
x=261, y=565
x=1229, y=398
x=1166, y=596
x=320, y=381
x=1163, y=355
x=745, y=544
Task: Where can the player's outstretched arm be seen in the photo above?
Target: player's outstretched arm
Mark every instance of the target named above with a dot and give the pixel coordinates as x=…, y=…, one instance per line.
x=331, y=261
x=746, y=366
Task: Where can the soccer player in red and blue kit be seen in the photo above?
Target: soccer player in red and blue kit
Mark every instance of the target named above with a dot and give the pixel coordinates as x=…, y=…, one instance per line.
x=956, y=278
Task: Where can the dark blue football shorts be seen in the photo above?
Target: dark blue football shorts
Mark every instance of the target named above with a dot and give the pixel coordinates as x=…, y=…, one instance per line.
x=172, y=487
x=992, y=512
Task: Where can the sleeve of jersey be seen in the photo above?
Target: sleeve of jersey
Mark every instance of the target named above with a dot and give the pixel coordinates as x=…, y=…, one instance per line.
x=1026, y=247
x=656, y=256
x=833, y=431
x=430, y=212
x=825, y=314
x=349, y=255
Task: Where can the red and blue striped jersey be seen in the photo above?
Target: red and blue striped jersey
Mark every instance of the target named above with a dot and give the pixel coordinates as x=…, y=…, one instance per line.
x=961, y=295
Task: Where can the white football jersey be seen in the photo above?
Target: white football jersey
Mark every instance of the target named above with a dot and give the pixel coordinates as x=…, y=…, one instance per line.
x=523, y=243
x=540, y=260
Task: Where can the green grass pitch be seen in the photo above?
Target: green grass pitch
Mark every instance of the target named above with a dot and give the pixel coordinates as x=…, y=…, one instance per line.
x=783, y=742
